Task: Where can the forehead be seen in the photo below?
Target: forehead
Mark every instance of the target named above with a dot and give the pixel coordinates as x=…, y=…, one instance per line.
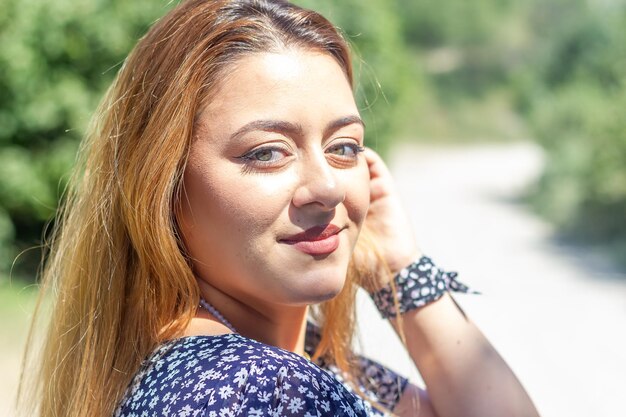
x=286, y=65
x=289, y=84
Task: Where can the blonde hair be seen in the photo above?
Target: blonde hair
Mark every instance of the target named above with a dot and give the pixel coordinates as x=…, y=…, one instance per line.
x=120, y=281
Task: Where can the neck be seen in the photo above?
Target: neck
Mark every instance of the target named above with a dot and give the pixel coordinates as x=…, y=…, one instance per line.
x=277, y=325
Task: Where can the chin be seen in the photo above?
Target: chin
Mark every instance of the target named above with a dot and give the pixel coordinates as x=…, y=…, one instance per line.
x=321, y=297
x=317, y=289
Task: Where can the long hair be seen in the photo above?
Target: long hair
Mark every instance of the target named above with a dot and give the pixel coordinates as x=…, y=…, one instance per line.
x=119, y=280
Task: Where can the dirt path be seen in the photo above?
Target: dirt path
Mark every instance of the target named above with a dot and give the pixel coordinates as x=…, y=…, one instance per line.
x=555, y=313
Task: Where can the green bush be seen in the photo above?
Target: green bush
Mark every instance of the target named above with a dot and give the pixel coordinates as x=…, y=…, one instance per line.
x=56, y=60
x=576, y=110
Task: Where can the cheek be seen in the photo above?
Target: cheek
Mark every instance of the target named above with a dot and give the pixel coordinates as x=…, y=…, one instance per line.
x=225, y=201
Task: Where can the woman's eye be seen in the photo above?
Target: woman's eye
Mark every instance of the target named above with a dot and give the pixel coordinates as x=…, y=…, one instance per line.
x=346, y=150
x=265, y=155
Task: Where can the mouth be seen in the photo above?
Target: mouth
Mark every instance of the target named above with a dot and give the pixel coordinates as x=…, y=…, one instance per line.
x=318, y=240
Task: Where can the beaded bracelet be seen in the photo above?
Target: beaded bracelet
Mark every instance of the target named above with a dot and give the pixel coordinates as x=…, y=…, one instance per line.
x=418, y=284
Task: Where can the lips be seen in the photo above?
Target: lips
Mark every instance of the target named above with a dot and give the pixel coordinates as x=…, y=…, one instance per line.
x=318, y=240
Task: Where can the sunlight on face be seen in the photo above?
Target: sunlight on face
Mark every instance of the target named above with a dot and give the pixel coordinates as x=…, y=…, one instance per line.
x=276, y=187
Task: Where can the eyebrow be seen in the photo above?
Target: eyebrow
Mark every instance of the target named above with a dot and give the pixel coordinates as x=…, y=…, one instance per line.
x=294, y=129
x=342, y=122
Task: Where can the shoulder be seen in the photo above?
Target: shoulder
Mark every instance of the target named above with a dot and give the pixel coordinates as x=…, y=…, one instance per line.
x=229, y=374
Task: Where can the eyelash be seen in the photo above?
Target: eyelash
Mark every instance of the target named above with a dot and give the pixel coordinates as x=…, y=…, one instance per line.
x=249, y=157
x=356, y=148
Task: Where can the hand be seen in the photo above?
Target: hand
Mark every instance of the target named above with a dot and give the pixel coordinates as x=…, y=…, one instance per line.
x=387, y=223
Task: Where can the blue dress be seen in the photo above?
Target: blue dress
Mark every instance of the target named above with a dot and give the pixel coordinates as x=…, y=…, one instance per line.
x=231, y=375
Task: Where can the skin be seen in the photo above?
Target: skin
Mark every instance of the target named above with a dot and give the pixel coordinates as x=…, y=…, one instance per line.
x=295, y=109
x=236, y=213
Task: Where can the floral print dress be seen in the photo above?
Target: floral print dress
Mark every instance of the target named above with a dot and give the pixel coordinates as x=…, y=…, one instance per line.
x=231, y=375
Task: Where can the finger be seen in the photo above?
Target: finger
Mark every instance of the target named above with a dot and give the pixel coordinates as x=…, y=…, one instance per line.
x=381, y=183
x=376, y=165
x=374, y=161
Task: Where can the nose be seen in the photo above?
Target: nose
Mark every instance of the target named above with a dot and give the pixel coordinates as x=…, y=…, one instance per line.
x=320, y=184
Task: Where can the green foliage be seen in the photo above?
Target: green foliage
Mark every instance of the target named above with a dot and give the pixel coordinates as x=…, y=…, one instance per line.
x=467, y=51
x=575, y=103
x=56, y=60
x=7, y=234
x=432, y=23
x=17, y=302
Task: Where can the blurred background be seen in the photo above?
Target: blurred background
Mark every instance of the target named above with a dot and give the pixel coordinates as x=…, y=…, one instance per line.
x=518, y=103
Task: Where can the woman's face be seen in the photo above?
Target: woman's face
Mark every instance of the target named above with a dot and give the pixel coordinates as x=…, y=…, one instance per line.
x=276, y=188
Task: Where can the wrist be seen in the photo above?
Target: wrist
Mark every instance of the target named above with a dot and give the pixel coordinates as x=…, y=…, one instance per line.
x=401, y=261
x=414, y=286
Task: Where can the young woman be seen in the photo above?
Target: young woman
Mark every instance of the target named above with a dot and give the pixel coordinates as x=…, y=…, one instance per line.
x=221, y=193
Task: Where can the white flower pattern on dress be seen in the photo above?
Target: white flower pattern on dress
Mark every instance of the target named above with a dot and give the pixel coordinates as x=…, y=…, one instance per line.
x=230, y=375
